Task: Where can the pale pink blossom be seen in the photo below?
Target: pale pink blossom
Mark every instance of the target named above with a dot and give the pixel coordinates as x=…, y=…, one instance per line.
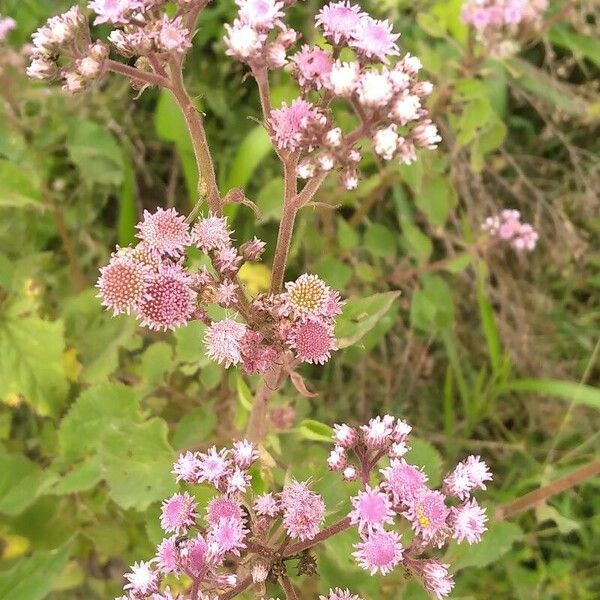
x=223, y=341
x=380, y=552
x=165, y=231
x=339, y=20
x=372, y=510
x=178, y=513
x=375, y=39
x=468, y=522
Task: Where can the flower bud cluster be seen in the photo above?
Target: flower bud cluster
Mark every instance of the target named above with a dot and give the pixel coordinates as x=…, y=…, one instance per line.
x=388, y=100
x=205, y=545
x=500, y=24
x=509, y=228
x=435, y=516
x=152, y=281
x=63, y=48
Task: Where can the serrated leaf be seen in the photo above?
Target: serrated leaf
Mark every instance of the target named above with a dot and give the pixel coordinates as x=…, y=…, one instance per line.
x=361, y=315
x=32, y=578
x=81, y=478
x=31, y=363
x=98, y=410
x=138, y=460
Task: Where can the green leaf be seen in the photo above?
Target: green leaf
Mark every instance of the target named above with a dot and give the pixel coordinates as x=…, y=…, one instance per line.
x=346, y=235
x=98, y=410
x=137, y=460
x=195, y=427
x=127, y=217
x=190, y=347
x=380, y=241
x=31, y=362
x=95, y=152
x=21, y=482
x=580, y=45
x=157, y=361
x=431, y=24
x=432, y=307
x=361, y=315
x=582, y=395
x=495, y=543
x=251, y=151
x=417, y=244
x=32, y=578
x=310, y=429
x=436, y=199
x=270, y=200
x=18, y=188
x=335, y=272
x=424, y=455
x=81, y=478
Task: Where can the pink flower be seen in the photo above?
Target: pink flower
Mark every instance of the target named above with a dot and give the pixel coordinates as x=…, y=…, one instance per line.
x=172, y=35
x=375, y=89
x=339, y=20
x=379, y=551
x=339, y=594
x=257, y=357
x=372, y=510
x=178, y=513
x=260, y=14
x=468, y=522
x=227, y=261
x=169, y=301
x=213, y=466
x=344, y=435
x=436, y=579
x=243, y=41
x=244, y=454
x=252, y=250
x=222, y=507
x=313, y=66
x=336, y=460
x=343, y=78
x=313, y=341
x=238, y=481
x=458, y=482
x=378, y=432
x=226, y=293
x=227, y=535
x=165, y=230
x=143, y=580
x=211, y=233
x=477, y=471
x=195, y=556
x=114, y=11
x=303, y=510
x=265, y=505
x=290, y=123
x=123, y=284
x=186, y=467
x=375, y=39
x=428, y=515
x=7, y=24
x=405, y=482
x=223, y=341
x=167, y=555
x=308, y=296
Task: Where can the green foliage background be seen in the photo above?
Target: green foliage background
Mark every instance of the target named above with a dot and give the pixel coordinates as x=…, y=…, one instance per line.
x=485, y=352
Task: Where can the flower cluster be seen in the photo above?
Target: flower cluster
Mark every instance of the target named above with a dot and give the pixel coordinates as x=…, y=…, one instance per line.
x=388, y=100
x=204, y=546
x=508, y=227
x=152, y=281
x=435, y=516
x=500, y=23
x=7, y=24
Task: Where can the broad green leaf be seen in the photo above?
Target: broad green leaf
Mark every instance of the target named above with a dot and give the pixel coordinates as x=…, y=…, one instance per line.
x=335, y=272
x=580, y=45
x=424, y=455
x=495, y=543
x=380, y=241
x=190, y=347
x=137, y=460
x=169, y=122
x=583, y=395
x=32, y=578
x=346, y=235
x=417, y=244
x=157, y=361
x=97, y=411
x=361, y=315
x=270, y=200
x=251, y=151
x=31, y=363
x=432, y=307
x=436, y=198
x=81, y=478
x=95, y=152
x=21, y=481
x=195, y=427
x=18, y=188
x=310, y=429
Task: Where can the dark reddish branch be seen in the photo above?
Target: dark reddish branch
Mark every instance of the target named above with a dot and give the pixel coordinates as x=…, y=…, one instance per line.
x=536, y=497
x=288, y=588
x=328, y=532
x=242, y=586
x=136, y=74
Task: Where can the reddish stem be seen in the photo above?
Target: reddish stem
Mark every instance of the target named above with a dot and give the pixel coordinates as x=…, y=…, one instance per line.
x=136, y=74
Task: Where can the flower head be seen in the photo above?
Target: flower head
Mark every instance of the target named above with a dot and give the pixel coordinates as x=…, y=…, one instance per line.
x=172, y=36
x=339, y=594
x=428, y=515
x=186, y=467
x=222, y=507
x=123, y=284
x=313, y=66
x=303, y=510
x=378, y=432
x=169, y=300
x=375, y=39
x=165, y=231
x=167, y=555
x=117, y=12
x=436, y=579
x=265, y=505
x=243, y=41
x=211, y=233
x=307, y=296
x=223, y=341
x=372, y=510
x=244, y=453
x=227, y=535
x=213, y=465
x=313, y=341
x=260, y=14
x=290, y=123
x=379, y=551
x=143, y=580
x=405, y=482
x=178, y=513
x=468, y=522
x=339, y=20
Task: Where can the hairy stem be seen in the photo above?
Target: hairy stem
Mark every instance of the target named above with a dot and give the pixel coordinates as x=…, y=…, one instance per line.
x=288, y=587
x=207, y=181
x=332, y=530
x=242, y=586
x=256, y=430
x=538, y=496
x=136, y=74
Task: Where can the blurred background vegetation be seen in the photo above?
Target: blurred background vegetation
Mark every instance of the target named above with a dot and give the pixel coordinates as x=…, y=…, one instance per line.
x=485, y=352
